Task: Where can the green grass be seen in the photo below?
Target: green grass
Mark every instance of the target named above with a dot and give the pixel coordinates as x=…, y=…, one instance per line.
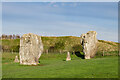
x=110, y=43
x=12, y=42
x=55, y=66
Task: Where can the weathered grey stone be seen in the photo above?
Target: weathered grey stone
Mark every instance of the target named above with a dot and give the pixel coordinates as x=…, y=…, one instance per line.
x=68, y=56
x=31, y=48
x=89, y=44
x=16, y=59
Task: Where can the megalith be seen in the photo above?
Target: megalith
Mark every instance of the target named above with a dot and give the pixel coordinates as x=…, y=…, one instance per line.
x=16, y=59
x=68, y=56
x=89, y=44
x=31, y=48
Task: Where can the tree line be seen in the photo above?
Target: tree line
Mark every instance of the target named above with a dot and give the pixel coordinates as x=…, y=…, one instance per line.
x=4, y=36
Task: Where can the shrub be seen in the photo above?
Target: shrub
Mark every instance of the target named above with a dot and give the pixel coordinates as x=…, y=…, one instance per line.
x=15, y=48
x=77, y=48
x=59, y=45
x=51, y=49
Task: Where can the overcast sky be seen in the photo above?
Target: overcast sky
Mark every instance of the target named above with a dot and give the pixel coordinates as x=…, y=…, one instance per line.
x=61, y=19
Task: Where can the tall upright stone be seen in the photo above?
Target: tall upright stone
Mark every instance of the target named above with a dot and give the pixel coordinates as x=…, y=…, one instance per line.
x=68, y=56
x=31, y=48
x=16, y=59
x=89, y=44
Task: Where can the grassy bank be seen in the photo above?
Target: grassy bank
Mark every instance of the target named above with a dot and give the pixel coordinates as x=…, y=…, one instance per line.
x=57, y=44
x=55, y=66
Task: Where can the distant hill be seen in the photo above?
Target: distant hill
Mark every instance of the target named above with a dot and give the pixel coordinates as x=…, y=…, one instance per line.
x=54, y=43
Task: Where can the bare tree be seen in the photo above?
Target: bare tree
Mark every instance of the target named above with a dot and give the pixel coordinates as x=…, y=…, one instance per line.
x=17, y=36
x=14, y=37
x=9, y=37
x=3, y=36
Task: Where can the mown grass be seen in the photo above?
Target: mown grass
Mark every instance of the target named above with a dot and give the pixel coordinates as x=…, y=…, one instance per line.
x=55, y=66
x=108, y=53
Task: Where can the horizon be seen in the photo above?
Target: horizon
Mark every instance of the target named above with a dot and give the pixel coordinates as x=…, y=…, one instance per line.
x=61, y=19
x=57, y=36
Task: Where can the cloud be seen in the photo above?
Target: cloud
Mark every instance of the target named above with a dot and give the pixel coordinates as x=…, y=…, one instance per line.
x=93, y=10
x=51, y=3
x=55, y=5
x=63, y=20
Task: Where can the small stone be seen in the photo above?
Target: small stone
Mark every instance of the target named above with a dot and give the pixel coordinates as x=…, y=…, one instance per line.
x=16, y=59
x=68, y=56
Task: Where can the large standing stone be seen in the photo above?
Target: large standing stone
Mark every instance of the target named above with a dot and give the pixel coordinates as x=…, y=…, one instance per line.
x=89, y=44
x=31, y=48
x=68, y=56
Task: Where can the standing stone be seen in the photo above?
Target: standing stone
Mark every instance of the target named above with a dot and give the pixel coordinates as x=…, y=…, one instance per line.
x=31, y=48
x=89, y=44
x=68, y=56
x=16, y=59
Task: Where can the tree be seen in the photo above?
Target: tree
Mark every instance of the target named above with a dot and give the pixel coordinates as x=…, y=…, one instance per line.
x=17, y=36
x=3, y=36
x=77, y=48
x=6, y=36
x=14, y=37
x=59, y=46
x=9, y=36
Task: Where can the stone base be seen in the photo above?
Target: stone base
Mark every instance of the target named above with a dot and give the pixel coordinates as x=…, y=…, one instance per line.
x=88, y=57
x=17, y=61
x=68, y=59
x=29, y=63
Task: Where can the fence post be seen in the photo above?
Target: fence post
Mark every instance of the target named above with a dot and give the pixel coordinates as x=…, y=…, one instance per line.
x=60, y=51
x=103, y=53
x=12, y=51
x=47, y=51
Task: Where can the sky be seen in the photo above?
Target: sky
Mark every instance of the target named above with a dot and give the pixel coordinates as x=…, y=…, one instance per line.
x=61, y=18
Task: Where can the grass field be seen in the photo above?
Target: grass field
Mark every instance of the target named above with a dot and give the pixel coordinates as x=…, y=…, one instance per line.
x=55, y=66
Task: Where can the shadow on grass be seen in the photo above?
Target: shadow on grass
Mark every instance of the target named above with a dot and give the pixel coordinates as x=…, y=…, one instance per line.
x=78, y=54
x=65, y=59
x=34, y=65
